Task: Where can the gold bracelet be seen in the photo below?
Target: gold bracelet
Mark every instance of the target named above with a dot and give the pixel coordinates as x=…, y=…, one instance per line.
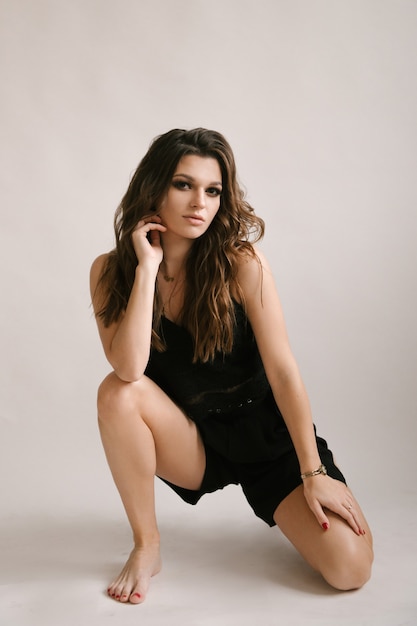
x=320, y=470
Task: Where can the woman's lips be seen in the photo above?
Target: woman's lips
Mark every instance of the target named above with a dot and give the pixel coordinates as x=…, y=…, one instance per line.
x=196, y=220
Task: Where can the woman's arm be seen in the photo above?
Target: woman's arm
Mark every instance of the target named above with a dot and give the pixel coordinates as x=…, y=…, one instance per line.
x=267, y=320
x=127, y=342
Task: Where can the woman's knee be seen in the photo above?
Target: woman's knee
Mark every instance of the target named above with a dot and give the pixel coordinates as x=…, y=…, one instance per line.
x=115, y=396
x=351, y=569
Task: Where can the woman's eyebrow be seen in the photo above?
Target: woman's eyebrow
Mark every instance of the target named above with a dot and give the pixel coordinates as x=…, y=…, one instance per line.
x=188, y=177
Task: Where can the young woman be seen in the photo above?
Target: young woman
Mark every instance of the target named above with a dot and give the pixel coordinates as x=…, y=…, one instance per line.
x=205, y=391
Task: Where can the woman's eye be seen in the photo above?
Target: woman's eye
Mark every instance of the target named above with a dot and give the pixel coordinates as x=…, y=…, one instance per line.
x=181, y=184
x=214, y=191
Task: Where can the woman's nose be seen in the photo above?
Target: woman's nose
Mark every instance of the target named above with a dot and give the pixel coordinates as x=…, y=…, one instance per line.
x=199, y=198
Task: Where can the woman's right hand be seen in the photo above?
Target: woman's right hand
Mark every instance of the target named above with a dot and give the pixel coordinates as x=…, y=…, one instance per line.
x=146, y=241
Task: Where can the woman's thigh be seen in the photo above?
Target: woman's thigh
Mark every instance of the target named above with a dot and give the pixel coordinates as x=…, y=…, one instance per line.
x=142, y=407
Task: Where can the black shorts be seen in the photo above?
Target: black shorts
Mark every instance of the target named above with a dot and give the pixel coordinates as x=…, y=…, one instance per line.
x=252, y=448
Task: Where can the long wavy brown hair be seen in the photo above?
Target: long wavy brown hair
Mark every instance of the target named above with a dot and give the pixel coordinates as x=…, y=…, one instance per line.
x=212, y=263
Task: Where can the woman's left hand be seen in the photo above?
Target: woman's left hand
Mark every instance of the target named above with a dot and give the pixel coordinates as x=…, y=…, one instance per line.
x=323, y=492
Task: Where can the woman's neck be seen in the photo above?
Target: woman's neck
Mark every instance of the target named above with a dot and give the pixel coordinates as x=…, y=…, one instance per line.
x=173, y=263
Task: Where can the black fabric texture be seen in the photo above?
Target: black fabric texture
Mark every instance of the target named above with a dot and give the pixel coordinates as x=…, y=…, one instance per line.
x=244, y=434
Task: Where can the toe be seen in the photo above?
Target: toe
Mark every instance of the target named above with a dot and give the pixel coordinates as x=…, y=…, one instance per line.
x=124, y=597
x=136, y=597
x=114, y=592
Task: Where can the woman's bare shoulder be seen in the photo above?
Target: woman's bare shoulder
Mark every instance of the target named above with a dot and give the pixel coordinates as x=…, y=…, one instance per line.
x=252, y=267
x=96, y=271
x=99, y=262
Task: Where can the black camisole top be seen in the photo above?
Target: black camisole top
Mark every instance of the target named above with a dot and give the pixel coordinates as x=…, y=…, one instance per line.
x=220, y=387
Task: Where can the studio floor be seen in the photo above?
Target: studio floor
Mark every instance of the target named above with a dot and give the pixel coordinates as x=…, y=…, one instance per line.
x=221, y=567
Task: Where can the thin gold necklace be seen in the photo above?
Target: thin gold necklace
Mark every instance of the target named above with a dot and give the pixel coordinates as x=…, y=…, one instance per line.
x=167, y=304
x=167, y=277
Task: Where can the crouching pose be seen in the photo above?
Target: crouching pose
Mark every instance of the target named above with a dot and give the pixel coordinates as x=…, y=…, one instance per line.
x=205, y=391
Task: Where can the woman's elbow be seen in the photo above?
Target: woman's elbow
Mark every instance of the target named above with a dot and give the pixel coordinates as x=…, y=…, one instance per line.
x=128, y=375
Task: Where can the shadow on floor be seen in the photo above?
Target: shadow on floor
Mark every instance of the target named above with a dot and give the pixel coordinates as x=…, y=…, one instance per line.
x=66, y=548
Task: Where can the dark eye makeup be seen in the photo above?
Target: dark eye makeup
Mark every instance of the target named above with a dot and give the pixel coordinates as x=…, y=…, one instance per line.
x=181, y=184
x=185, y=185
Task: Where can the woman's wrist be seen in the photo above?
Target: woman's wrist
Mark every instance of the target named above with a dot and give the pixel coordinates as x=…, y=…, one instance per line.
x=147, y=269
x=316, y=472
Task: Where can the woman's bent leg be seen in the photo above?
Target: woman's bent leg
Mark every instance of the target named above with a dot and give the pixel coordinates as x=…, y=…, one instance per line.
x=144, y=433
x=343, y=558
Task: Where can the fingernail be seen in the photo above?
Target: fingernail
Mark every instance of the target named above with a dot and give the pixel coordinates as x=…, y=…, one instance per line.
x=325, y=526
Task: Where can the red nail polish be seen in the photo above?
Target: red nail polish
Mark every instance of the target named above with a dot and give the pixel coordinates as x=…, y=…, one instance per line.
x=137, y=595
x=325, y=526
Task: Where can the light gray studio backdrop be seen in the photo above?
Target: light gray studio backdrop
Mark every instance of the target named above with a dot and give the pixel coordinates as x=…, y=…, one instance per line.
x=318, y=100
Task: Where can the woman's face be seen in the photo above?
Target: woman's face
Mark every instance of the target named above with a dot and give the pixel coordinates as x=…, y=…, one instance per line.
x=193, y=197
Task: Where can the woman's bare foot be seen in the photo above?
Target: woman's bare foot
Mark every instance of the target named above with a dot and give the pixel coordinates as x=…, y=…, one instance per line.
x=133, y=581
